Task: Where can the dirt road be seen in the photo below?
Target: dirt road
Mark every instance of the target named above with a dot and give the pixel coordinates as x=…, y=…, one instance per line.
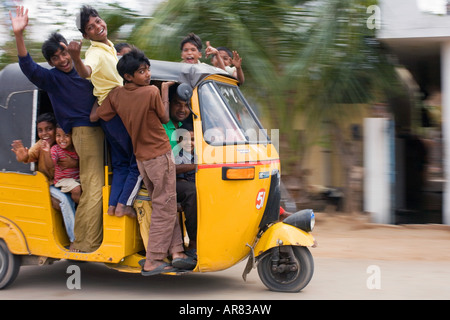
x=354, y=237
x=411, y=262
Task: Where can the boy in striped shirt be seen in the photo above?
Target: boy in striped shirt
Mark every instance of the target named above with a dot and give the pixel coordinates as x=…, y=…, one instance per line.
x=66, y=179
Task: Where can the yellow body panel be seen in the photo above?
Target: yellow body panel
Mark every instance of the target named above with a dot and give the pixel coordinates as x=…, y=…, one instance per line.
x=229, y=211
x=283, y=234
x=228, y=215
x=30, y=225
x=16, y=240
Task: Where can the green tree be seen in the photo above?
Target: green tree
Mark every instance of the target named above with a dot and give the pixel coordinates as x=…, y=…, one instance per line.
x=265, y=33
x=311, y=60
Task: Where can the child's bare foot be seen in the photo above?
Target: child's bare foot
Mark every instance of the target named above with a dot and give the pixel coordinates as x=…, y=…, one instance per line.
x=123, y=210
x=73, y=249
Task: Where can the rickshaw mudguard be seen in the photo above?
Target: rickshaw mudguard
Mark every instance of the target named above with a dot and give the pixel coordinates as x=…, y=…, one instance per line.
x=282, y=234
x=13, y=236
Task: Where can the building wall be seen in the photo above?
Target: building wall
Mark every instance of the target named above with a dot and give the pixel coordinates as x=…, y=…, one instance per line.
x=402, y=19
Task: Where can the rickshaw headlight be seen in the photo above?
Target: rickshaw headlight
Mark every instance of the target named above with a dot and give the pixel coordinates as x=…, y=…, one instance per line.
x=304, y=220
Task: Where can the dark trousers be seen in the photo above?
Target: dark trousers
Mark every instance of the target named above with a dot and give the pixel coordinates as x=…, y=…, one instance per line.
x=187, y=196
x=124, y=166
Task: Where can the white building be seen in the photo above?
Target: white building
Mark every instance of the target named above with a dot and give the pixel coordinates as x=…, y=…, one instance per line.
x=417, y=32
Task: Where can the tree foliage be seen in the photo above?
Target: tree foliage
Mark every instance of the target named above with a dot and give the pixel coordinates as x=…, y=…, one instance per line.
x=313, y=61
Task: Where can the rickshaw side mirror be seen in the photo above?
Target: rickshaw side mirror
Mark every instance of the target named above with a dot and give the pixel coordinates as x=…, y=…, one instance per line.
x=184, y=91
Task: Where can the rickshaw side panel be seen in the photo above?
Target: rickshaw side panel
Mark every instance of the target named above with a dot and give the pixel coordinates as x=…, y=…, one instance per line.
x=25, y=201
x=13, y=236
x=18, y=108
x=229, y=210
x=229, y=213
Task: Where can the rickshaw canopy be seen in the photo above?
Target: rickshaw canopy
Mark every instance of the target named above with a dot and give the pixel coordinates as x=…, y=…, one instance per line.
x=20, y=103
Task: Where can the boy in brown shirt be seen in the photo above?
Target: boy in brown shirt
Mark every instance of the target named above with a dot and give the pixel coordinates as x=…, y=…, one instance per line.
x=142, y=111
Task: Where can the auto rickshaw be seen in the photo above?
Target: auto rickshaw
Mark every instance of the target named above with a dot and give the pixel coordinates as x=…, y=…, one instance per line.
x=237, y=182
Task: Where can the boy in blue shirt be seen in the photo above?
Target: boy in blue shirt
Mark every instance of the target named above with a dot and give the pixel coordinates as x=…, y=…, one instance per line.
x=72, y=100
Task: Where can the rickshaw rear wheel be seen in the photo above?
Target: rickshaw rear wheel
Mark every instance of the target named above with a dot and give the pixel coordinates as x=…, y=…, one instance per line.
x=286, y=268
x=9, y=265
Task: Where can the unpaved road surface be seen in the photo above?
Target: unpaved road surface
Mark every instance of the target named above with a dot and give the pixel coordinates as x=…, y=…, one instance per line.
x=354, y=260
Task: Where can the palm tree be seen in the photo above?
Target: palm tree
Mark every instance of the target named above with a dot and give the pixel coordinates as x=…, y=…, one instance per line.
x=265, y=33
x=340, y=67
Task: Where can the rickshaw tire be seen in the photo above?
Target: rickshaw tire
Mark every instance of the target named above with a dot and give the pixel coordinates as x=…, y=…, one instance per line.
x=9, y=265
x=290, y=281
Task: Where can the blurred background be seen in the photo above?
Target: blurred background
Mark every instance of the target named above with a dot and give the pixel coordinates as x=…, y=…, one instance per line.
x=353, y=86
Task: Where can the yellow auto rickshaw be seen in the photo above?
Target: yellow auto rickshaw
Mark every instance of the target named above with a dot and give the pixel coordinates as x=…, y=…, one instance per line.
x=237, y=183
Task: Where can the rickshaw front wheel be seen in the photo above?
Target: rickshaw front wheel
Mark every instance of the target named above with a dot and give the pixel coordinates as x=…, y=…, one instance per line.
x=9, y=265
x=286, y=268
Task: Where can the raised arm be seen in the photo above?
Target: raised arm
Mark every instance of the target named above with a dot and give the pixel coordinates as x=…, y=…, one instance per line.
x=46, y=150
x=19, y=23
x=237, y=62
x=74, y=50
x=165, y=99
x=20, y=151
x=210, y=50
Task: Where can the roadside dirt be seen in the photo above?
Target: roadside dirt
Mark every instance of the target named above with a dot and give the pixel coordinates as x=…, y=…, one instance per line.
x=352, y=236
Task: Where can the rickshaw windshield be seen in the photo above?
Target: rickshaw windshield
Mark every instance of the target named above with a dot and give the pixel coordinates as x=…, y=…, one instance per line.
x=226, y=116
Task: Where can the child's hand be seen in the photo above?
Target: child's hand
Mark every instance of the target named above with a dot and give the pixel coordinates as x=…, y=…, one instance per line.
x=167, y=84
x=45, y=146
x=237, y=60
x=20, y=151
x=165, y=90
x=20, y=21
x=74, y=48
x=67, y=162
x=210, y=50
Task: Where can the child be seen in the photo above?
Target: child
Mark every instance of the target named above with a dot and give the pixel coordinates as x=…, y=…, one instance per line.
x=39, y=152
x=122, y=48
x=100, y=67
x=191, y=49
x=101, y=57
x=66, y=179
x=186, y=166
x=231, y=60
x=141, y=109
x=184, y=154
x=46, y=126
x=72, y=100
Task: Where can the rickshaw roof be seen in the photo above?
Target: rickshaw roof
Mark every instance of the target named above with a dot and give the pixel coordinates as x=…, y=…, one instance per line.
x=181, y=72
x=13, y=80
x=18, y=104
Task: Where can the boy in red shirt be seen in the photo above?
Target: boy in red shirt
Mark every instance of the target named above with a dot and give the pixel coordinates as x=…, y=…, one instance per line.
x=142, y=111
